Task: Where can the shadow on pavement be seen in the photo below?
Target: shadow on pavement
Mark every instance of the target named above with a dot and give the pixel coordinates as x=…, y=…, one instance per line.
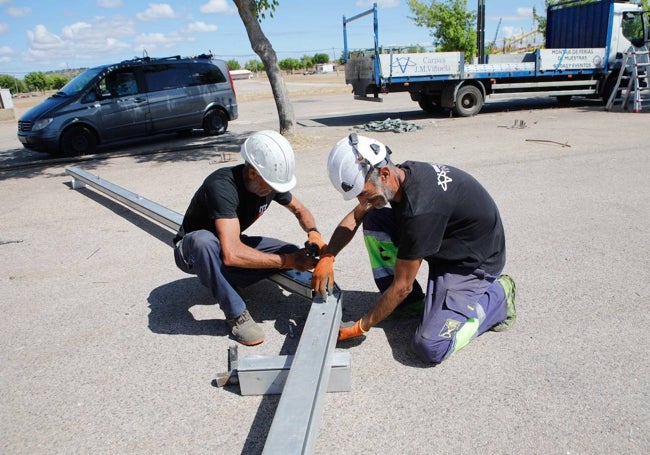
x=194, y=146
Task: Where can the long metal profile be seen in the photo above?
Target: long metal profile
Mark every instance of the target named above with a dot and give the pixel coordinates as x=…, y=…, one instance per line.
x=297, y=418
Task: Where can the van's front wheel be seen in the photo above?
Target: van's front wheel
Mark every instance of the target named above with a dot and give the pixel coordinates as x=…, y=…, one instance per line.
x=78, y=140
x=215, y=122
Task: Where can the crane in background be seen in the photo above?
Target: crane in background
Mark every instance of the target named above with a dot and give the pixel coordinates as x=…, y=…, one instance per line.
x=496, y=34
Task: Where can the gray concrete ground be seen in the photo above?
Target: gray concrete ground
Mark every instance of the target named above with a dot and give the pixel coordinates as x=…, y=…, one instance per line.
x=108, y=348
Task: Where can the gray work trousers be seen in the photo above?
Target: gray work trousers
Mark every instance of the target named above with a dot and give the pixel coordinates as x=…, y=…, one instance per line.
x=199, y=253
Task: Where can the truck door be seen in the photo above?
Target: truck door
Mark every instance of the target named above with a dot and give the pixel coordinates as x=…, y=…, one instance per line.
x=123, y=105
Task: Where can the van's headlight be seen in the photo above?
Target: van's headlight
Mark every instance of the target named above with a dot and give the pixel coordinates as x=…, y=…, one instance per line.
x=41, y=123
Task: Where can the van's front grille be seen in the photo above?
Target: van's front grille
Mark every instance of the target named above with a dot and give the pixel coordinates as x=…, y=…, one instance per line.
x=25, y=126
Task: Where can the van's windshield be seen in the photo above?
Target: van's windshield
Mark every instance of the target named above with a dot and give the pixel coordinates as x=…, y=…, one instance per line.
x=80, y=82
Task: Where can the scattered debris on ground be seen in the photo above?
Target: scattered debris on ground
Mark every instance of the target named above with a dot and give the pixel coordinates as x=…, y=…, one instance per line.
x=394, y=125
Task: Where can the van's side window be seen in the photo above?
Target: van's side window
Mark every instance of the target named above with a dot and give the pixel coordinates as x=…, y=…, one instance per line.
x=165, y=76
x=206, y=73
x=118, y=83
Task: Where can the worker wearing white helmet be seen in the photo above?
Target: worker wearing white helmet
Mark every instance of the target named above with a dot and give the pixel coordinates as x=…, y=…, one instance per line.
x=416, y=212
x=211, y=243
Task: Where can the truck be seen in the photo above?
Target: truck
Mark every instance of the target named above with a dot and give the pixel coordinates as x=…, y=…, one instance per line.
x=585, y=45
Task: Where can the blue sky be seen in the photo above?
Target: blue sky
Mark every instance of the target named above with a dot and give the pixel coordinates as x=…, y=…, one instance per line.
x=47, y=35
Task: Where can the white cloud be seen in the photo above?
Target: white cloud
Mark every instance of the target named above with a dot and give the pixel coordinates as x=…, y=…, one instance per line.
x=6, y=50
x=217, y=7
x=4, y=28
x=157, y=11
x=109, y=3
x=200, y=27
x=380, y=3
x=525, y=12
x=18, y=12
x=151, y=42
x=5, y=2
x=79, y=41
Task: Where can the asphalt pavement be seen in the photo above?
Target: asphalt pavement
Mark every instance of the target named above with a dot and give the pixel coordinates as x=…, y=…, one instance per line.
x=108, y=348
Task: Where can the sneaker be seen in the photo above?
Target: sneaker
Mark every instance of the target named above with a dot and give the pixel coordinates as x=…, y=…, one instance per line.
x=511, y=315
x=245, y=330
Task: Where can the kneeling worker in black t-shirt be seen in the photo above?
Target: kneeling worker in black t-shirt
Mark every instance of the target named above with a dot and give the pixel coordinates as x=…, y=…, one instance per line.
x=439, y=214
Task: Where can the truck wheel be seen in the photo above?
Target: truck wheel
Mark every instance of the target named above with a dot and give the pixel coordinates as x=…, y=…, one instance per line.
x=429, y=105
x=78, y=140
x=215, y=122
x=469, y=101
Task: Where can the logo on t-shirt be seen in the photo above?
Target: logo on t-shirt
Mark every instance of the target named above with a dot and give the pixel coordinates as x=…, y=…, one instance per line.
x=262, y=209
x=443, y=178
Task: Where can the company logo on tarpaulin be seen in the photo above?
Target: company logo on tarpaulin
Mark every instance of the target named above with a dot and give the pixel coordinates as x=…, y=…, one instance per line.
x=402, y=63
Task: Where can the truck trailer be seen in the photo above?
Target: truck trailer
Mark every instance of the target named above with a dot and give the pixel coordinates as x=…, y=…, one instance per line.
x=585, y=44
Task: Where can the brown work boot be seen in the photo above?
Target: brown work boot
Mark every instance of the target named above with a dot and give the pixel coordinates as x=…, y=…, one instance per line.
x=245, y=330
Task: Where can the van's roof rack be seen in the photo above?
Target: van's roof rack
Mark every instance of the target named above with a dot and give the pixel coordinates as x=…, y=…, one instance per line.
x=150, y=59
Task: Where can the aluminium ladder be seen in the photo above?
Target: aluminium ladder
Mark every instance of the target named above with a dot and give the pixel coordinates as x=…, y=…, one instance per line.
x=636, y=63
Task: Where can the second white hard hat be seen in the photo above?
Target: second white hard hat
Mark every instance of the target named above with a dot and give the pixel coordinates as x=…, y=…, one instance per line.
x=272, y=157
x=351, y=159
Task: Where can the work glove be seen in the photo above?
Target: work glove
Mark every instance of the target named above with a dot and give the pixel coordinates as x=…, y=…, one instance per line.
x=322, y=279
x=315, y=243
x=298, y=260
x=351, y=331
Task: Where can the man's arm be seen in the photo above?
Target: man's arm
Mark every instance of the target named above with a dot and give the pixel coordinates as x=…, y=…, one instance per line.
x=236, y=254
x=305, y=217
x=402, y=285
x=322, y=280
x=399, y=289
x=346, y=229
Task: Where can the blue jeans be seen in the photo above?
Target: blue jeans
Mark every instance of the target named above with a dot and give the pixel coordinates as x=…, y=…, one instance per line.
x=199, y=253
x=460, y=304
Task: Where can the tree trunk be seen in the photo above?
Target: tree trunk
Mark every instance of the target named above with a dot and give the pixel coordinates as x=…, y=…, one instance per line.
x=263, y=48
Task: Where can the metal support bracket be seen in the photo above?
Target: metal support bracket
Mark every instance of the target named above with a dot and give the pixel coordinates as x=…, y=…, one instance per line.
x=302, y=378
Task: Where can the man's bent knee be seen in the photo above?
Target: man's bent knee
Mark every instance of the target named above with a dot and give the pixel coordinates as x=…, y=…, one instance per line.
x=432, y=351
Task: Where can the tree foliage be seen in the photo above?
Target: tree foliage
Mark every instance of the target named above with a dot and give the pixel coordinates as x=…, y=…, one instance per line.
x=36, y=81
x=452, y=24
x=233, y=65
x=12, y=83
x=254, y=66
x=290, y=64
x=321, y=58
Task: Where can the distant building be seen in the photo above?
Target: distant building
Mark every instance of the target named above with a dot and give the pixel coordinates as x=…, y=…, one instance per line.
x=241, y=74
x=325, y=68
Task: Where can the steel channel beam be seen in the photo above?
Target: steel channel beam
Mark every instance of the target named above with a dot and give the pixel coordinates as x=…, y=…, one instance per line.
x=297, y=418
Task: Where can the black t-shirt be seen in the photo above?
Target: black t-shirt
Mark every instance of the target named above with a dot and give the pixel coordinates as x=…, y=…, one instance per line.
x=446, y=216
x=224, y=195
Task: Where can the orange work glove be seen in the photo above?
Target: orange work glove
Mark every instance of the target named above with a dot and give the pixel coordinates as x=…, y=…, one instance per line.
x=351, y=331
x=314, y=238
x=322, y=279
x=298, y=260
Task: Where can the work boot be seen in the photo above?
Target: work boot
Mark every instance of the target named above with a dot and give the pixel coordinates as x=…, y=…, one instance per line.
x=245, y=330
x=511, y=313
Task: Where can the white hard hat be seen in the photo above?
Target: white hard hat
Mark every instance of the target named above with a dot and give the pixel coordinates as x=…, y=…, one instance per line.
x=272, y=157
x=350, y=161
